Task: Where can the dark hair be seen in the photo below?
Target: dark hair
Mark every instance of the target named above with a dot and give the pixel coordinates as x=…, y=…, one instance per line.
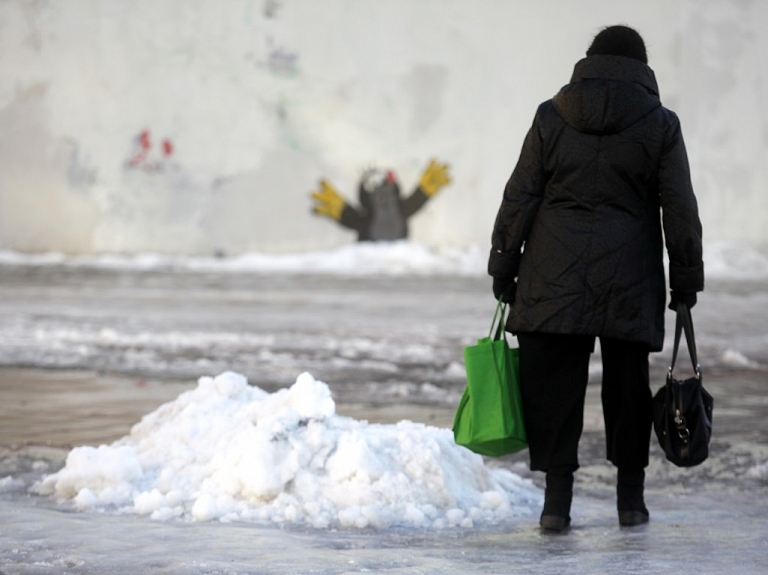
x=619, y=41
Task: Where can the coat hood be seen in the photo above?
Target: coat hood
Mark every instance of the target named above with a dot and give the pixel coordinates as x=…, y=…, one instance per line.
x=607, y=94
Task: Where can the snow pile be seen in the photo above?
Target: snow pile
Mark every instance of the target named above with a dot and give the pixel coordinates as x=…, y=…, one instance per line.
x=758, y=471
x=367, y=258
x=725, y=260
x=360, y=259
x=229, y=451
x=9, y=484
x=733, y=358
x=722, y=260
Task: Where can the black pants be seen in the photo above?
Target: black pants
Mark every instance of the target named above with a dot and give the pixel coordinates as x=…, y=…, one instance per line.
x=553, y=380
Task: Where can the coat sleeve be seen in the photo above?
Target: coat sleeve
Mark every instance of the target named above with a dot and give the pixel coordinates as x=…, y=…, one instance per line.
x=680, y=214
x=523, y=195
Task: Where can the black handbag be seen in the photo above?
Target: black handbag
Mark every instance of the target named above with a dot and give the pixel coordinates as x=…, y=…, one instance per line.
x=682, y=409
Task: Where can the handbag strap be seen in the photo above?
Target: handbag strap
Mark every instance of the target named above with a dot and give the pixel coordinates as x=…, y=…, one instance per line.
x=501, y=309
x=684, y=322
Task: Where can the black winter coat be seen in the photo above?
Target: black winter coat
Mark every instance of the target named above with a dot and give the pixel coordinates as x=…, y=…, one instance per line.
x=579, y=225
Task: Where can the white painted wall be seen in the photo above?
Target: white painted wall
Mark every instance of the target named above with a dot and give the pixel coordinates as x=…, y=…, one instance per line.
x=261, y=98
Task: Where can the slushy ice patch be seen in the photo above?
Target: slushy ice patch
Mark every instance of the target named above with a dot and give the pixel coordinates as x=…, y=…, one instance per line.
x=229, y=451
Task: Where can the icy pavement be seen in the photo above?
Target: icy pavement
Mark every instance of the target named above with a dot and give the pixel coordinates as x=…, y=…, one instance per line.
x=689, y=535
x=390, y=349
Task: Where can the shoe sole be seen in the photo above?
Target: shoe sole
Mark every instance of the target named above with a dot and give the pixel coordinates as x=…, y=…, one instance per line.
x=554, y=523
x=632, y=518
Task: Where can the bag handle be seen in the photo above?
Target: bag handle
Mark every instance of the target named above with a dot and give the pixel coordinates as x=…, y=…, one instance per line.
x=501, y=309
x=684, y=322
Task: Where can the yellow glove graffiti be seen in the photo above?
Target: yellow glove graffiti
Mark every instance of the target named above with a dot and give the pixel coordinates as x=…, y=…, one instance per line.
x=434, y=178
x=329, y=202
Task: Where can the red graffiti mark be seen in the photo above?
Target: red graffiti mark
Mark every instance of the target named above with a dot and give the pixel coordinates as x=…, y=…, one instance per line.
x=142, y=155
x=143, y=145
x=144, y=140
x=137, y=159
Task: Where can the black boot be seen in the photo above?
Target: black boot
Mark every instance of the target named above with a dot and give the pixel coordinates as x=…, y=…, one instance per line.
x=557, y=500
x=629, y=497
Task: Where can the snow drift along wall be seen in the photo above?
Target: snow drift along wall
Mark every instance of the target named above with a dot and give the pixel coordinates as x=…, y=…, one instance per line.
x=196, y=127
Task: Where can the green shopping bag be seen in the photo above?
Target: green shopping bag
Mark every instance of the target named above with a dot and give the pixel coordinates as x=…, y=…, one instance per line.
x=489, y=419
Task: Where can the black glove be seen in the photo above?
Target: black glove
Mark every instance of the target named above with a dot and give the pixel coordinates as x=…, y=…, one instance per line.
x=505, y=289
x=677, y=297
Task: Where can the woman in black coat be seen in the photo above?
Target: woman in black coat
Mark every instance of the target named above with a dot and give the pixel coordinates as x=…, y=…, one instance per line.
x=577, y=252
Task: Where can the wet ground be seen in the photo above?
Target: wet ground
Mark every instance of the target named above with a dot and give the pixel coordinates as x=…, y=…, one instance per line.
x=85, y=353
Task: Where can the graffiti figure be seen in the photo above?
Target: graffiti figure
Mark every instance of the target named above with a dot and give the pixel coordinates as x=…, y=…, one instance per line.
x=383, y=214
x=142, y=153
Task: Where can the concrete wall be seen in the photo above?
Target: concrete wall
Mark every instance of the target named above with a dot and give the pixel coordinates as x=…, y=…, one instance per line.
x=196, y=126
